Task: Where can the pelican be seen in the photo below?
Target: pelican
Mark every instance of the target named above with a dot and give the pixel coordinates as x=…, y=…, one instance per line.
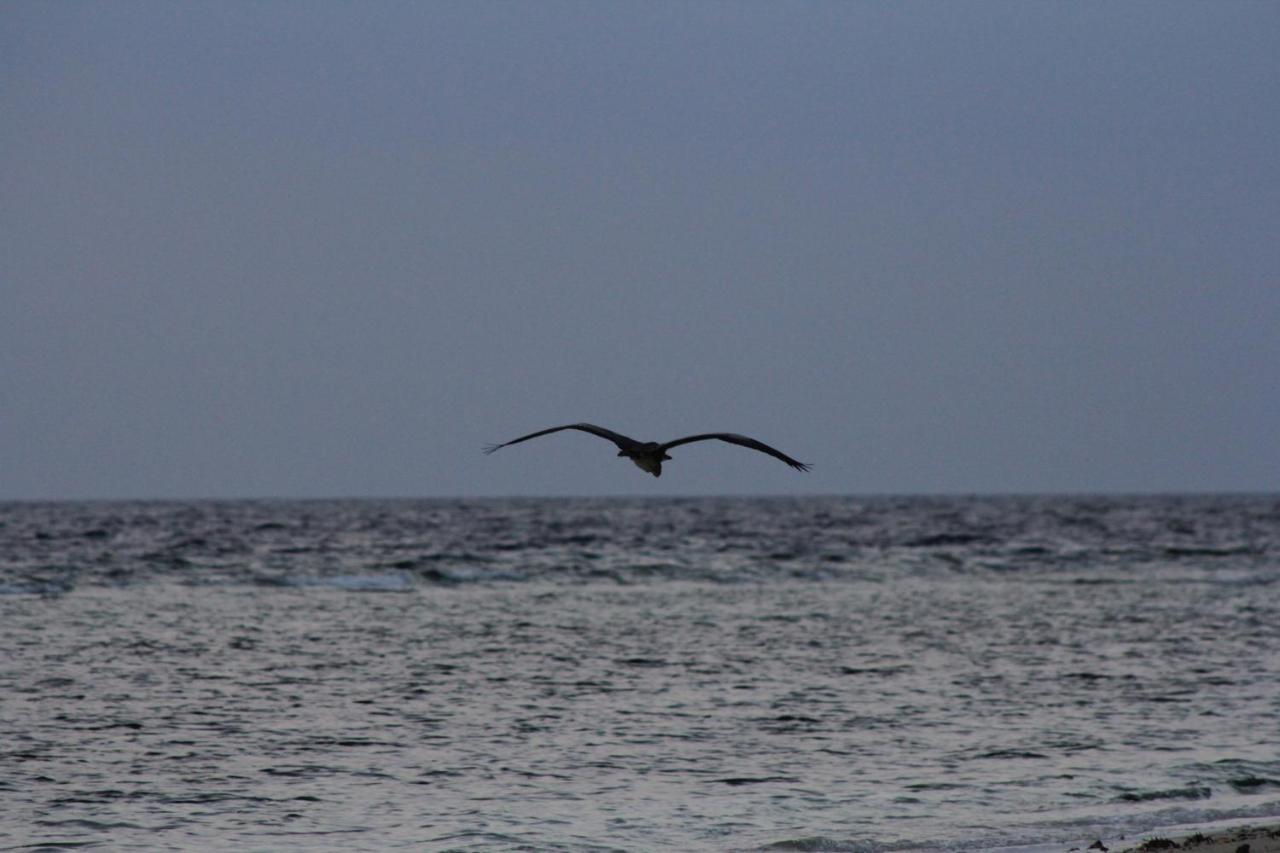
x=649, y=455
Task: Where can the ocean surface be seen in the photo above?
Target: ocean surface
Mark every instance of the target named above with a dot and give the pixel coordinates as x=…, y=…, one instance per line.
x=857, y=674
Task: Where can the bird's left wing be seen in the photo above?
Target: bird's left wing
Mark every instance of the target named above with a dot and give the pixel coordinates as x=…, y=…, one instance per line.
x=617, y=438
x=744, y=441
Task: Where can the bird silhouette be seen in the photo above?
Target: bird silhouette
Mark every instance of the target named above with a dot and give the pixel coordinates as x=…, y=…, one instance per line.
x=649, y=455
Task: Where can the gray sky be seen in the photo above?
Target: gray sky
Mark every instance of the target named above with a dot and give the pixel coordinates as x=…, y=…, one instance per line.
x=315, y=249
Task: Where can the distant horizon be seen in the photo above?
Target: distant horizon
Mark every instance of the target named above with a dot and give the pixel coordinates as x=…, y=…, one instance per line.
x=631, y=496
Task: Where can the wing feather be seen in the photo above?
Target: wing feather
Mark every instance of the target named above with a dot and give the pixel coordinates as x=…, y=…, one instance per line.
x=622, y=441
x=741, y=440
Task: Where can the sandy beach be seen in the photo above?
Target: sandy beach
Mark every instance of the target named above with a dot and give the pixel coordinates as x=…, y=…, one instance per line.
x=1239, y=839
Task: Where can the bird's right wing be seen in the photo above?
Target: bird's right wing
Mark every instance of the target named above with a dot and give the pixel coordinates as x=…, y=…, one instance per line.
x=622, y=441
x=742, y=441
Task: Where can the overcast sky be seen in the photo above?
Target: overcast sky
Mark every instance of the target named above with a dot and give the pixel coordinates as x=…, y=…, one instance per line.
x=330, y=249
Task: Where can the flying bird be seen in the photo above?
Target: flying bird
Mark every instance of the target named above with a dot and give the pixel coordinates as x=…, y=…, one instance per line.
x=649, y=455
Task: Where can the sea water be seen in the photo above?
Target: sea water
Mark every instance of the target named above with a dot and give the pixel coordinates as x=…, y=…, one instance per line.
x=821, y=673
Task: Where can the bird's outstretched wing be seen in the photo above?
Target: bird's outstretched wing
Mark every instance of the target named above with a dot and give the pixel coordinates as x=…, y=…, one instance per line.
x=734, y=438
x=622, y=441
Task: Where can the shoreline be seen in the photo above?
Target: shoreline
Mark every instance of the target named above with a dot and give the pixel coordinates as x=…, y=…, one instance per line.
x=1241, y=838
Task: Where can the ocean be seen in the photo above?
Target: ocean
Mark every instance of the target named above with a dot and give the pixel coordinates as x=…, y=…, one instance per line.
x=815, y=673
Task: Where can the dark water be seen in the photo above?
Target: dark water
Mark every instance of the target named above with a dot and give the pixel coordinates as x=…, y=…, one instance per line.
x=710, y=674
